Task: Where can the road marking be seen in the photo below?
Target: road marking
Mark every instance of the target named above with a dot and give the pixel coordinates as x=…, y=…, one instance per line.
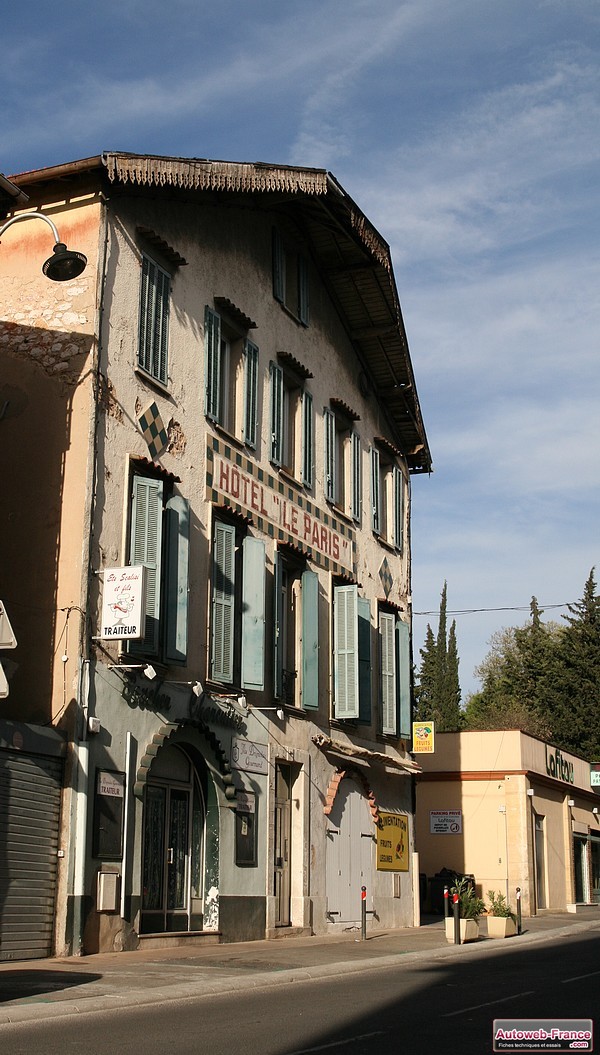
x=503, y=1000
x=579, y=977
x=337, y=1043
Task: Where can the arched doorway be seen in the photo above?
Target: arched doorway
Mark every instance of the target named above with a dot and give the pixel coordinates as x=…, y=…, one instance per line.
x=349, y=852
x=177, y=848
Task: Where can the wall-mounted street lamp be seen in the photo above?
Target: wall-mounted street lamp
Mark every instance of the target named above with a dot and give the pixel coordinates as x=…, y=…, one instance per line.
x=64, y=264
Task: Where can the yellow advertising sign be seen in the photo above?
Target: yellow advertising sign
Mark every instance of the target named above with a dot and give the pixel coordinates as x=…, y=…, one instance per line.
x=423, y=738
x=392, y=842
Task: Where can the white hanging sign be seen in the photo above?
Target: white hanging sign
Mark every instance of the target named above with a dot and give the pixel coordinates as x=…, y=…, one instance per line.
x=123, y=607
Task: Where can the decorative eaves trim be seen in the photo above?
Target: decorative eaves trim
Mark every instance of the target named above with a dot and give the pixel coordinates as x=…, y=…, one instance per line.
x=336, y=747
x=197, y=174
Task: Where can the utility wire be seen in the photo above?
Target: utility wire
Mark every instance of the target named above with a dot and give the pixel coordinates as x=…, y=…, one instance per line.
x=511, y=608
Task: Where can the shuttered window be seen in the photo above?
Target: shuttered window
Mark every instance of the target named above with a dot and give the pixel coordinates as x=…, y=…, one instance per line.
x=223, y=602
x=276, y=414
x=398, y=499
x=364, y=659
x=345, y=656
x=155, y=294
x=329, y=455
x=253, y=614
x=212, y=349
x=250, y=393
x=146, y=549
x=177, y=522
x=278, y=267
x=307, y=439
x=404, y=695
x=375, y=492
x=310, y=640
x=303, y=305
x=356, y=507
x=387, y=666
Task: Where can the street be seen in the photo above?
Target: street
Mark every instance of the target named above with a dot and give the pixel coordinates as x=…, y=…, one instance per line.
x=425, y=1006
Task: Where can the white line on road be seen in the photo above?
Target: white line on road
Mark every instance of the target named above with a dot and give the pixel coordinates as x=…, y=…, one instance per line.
x=503, y=1000
x=337, y=1043
x=580, y=976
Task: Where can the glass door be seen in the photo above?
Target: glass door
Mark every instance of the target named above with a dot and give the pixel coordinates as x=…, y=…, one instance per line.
x=165, y=894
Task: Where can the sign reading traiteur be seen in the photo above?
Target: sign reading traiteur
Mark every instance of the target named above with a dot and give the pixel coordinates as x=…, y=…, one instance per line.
x=123, y=610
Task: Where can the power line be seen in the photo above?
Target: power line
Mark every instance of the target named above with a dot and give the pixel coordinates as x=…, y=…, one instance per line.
x=511, y=608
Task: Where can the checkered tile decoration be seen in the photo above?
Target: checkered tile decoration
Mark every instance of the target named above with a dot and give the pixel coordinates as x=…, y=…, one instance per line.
x=153, y=430
x=385, y=574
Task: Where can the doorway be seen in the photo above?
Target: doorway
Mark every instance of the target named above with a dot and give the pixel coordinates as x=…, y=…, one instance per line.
x=282, y=843
x=580, y=852
x=349, y=863
x=540, y=862
x=173, y=846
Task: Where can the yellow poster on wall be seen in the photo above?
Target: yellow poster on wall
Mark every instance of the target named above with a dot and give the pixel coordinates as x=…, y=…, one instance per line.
x=392, y=842
x=423, y=738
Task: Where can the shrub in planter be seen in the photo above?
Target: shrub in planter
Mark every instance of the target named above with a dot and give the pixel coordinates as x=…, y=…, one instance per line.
x=501, y=920
x=470, y=909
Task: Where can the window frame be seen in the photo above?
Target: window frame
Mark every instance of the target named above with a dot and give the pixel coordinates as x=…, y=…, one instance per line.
x=153, y=320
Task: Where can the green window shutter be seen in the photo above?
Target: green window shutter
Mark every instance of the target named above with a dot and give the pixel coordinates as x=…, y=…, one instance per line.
x=356, y=509
x=375, y=491
x=303, y=303
x=251, y=392
x=278, y=267
x=177, y=516
x=253, y=614
x=330, y=466
x=310, y=640
x=223, y=602
x=146, y=548
x=278, y=617
x=364, y=660
x=155, y=292
x=345, y=655
x=398, y=509
x=276, y=414
x=212, y=348
x=307, y=439
x=387, y=661
x=404, y=693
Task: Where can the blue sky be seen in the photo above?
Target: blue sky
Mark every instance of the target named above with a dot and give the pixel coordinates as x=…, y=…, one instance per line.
x=469, y=134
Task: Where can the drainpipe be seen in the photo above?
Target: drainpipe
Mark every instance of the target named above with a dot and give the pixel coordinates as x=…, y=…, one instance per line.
x=81, y=806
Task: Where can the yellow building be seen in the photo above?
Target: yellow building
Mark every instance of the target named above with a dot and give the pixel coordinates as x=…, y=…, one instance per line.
x=513, y=811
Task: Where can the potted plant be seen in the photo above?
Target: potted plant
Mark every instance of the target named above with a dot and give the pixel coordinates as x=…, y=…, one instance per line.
x=470, y=908
x=501, y=921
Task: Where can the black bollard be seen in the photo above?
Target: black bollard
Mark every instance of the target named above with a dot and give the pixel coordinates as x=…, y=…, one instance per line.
x=363, y=912
x=455, y=911
x=519, y=927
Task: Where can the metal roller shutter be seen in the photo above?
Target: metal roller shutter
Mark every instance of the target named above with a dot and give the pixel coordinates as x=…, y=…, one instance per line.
x=30, y=794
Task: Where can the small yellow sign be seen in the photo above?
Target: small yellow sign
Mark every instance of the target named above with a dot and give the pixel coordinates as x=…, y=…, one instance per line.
x=392, y=842
x=423, y=738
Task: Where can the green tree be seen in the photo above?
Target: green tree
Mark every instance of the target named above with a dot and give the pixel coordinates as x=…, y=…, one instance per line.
x=576, y=697
x=437, y=688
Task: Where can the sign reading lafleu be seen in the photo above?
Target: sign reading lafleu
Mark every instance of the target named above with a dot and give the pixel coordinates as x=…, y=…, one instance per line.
x=284, y=513
x=123, y=612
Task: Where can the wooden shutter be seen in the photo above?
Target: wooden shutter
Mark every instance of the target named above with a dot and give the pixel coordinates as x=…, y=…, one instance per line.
x=278, y=617
x=276, y=414
x=356, y=477
x=253, y=614
x=404, y=694
x=398, y=509
x=330, y=466
x=303, y=303
x=307, y=439
x=146, y=548
x=212, y=347
x=251, y=393
x=375, y=491
x=310, y=640
x=387, y=654
x=154, y=320
x=177, y=516
x=345, y=655
x=223, y=602
x=278, y=267
x=364, y=659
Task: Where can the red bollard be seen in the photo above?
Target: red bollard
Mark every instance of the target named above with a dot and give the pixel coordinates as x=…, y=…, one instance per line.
x=446, y=902
x=456, y=910
x=363, y=908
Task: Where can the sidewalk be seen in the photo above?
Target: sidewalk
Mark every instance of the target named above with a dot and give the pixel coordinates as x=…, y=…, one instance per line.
x=41, y=989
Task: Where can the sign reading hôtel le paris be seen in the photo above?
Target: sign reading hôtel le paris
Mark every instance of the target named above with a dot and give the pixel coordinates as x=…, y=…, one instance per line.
x=265, y=498
x=123, y=609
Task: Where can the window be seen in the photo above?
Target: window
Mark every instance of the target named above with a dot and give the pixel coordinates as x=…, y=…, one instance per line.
x=159, y=539
x=356, y=504
x=387, y=497
x=154, y=320
x=231, y=377
x=342, y=459
x=290, y=277
x=292, y=422
x=237, y=608
x=352, y=654
x=394, y=675
x=296, y=641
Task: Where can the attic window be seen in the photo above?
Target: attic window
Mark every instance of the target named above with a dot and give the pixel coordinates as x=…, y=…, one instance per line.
x=167, y=252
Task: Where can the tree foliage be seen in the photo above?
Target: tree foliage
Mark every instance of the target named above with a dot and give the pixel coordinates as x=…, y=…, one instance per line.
x=437, y=688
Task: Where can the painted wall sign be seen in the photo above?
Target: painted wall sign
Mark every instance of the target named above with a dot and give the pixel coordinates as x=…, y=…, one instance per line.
x=262, y=498
x=445, y=822
x=392, y=842
x=123, y=608
x=558, y=767
x=423, y=738
x=248, y=756
x=111, y=784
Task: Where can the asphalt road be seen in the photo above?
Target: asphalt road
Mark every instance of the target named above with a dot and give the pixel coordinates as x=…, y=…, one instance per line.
x=418, y=1009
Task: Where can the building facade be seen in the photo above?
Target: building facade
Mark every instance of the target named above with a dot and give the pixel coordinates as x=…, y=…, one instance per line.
x=215, y=546
x=514, y=812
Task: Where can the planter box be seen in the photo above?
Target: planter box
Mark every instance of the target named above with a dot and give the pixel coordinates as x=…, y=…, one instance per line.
x=469, y=930
x=501, y=927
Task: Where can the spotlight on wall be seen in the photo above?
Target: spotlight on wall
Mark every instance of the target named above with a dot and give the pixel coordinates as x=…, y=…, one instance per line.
x=571, y=802
x=594, y=809
x=530, y=792
x=280, y=713
x=149, y=672
x=197, y=688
